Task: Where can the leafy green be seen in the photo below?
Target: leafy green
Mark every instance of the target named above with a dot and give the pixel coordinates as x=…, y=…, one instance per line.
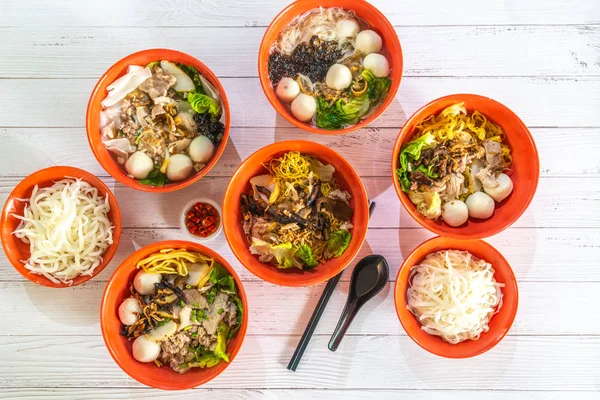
x=194, y=74
x=223, y=280
x=155, y=178
x=221, y=348
x=412, y=152
x=210, y=295
x=428, y=171
x=283, y=252
x=153, y=64
x=305, y=254
x=205, y=360
x=201, y=103
x=338, y=242
x=377, y=88
x=428, y=203
x=240, y=307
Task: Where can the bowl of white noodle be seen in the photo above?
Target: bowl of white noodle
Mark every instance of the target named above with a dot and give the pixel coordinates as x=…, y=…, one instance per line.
x=60, y=226
x=456, y=298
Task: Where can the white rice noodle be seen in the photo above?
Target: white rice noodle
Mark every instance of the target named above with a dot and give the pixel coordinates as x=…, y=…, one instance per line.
x=454, y=295
x=321, y=22
x=67, y=228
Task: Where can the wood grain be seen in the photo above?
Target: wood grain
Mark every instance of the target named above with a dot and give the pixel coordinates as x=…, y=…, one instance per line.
x=233, y=13
x=361, y=362
x=539, y=102
x=284, y=311
x=63, y=52
x=369, y=149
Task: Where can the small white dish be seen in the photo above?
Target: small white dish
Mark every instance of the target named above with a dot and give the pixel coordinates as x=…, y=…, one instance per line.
x=188, y=206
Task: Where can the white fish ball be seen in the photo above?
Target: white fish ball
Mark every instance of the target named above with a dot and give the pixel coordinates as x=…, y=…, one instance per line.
x=304, y=107
x=144, y=282
x=145, y=350
x=201, y=149
x=347, y=28
x=504, y=188
x=139, y=165
x=129, y=311
x=287, y=90
x=480, y=205
x=180, y=167
x=377, y=64
x=368, y=42
x=339, y=77
x=455, y=213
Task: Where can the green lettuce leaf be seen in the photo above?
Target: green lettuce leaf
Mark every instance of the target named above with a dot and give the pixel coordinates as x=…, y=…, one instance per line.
x=205, y=360
x=283, y=252
x=155, y=178
x=223, y=280
x=240, y=307
x=221, y=348
x=305, y=254
x=194, y=74
x=411, y=152
x=377, y=88
x=201, y=103
x=338, y=242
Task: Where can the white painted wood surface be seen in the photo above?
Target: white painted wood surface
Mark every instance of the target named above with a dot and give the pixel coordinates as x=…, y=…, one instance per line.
x=540, y=57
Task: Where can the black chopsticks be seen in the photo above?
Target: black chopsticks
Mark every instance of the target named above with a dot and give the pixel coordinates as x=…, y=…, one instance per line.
x=316, y=316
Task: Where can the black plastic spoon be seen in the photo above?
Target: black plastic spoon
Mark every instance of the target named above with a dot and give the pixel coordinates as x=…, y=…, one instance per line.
x=370, y=275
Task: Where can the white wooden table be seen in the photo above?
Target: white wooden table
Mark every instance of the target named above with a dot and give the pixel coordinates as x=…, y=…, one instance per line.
x=541, y=58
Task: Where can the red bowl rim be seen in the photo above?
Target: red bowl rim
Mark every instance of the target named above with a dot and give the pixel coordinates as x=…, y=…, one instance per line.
x=106, y=257
x=93, y=132
x=105, y=313
x=512, y=280
x=458, y=233
x=265, y=83
x=316, y=279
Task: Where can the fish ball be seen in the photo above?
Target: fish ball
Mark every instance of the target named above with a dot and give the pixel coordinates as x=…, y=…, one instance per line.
x=504, y=188
x=129, y=311
x=139, y=165
x=377, y=64
x=201, y=149
x=304, y=107
x=180, y=167
x=144, y=282
x=145, y=350
x=347, y=28
x=287, y=90
x=455, y=213
x=480, y=205
x=368, y=42
x=339, y=77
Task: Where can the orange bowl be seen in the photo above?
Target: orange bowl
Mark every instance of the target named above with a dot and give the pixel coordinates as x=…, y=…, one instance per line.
x=119, y=347
x=365, y=11
x=240, y=183
x=499, y=324
x=92, y=119
x=525, y=169
x=16, y=250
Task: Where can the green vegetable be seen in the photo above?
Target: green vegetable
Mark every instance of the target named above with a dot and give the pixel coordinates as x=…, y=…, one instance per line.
x=210, y=295
x=305, y=254
x=153, y=64
x=205, y=360
x=194, y=317
x=196, y=305
x=187, y=328
x=348, y=112
x=283, y=252
x=220, y=311
x=201, y=103
x=338, y=242
x=181, y=303
x=222, y=279
x=240, y=307
x=221, y=348
x=200, y=315
x=428, y=203
x=155, y=178
x=194, y=335
x=411, y=152
x=194, y=74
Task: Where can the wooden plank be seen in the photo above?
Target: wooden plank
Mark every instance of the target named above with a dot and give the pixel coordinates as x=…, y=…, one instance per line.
x=369, y=150
x=559, y=202
x=541, y=254
x=361, y=362
x=540, y=102
x=286, y=311
x=275, y=394
x=260, y=13
x=60, y=52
